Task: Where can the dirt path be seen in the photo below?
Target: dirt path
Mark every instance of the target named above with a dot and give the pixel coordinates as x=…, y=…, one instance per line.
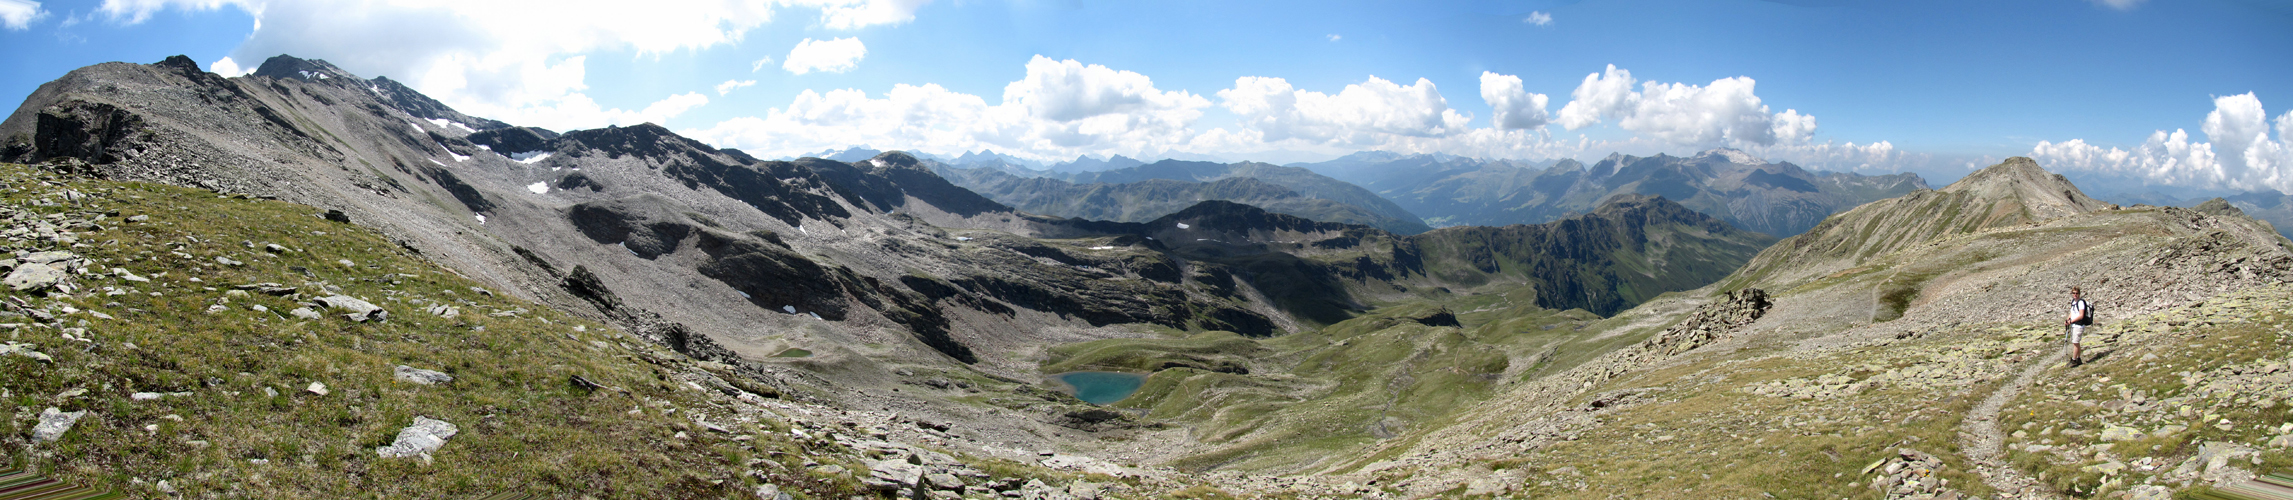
x=1982, y=439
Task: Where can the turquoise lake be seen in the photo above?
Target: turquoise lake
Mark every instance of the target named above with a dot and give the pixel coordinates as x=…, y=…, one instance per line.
x=1102, y=387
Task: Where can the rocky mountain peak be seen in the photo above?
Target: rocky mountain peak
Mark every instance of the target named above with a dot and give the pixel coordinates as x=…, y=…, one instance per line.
x=2046, y=194
x=2218, y=206
x=284, y=66
x=1729, y=155
x=1568, y=165
x=177, y=62
x=896, y=159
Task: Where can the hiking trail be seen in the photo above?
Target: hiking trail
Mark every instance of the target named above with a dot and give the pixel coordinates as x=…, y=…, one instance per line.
x=1982, y=439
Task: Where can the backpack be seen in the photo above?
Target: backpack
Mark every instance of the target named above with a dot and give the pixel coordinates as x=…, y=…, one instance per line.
x=2089, y=319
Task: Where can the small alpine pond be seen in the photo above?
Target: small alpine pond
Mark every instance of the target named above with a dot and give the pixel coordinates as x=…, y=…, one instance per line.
x=1102, y=388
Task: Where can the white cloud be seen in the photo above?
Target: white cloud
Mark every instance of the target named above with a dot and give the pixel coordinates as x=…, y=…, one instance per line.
x=1538, y=18
x=1058, y=110
x=1067, y=91
x=1334, y=37
x=1516, y=108
x=729, y=85
x=512, y=59
x=759, y=64
x=1725, y=113
x=18, y=14
x=2242, y=156
x=579, y=109
x=228, y=67
x=1875, y=157
x=852, y=14
x=1366, y=113
x=2119, y=4
x=832, y=56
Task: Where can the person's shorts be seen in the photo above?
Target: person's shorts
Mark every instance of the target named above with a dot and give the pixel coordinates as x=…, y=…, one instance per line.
x=2076, y=332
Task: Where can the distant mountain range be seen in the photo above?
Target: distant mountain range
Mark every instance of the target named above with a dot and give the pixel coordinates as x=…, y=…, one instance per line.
x=2271, y=207
x=1780, y=199
x=1143, y=192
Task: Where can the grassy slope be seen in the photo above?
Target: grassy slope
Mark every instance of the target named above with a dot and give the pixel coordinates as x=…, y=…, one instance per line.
x=1805, y=426
x=1331, y=391
x=2217, y=371
x=523, y=427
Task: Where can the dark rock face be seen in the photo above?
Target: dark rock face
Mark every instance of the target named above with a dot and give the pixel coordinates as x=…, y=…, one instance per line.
x=578, y=180
x=642, y=223
x=469, y=195
x=1439, y=317
x=515, y=140
x=773, y=276
x=95, y=132
x=403, y=98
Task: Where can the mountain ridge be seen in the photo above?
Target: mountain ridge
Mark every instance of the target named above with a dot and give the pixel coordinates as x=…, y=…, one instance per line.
x=1780, y=199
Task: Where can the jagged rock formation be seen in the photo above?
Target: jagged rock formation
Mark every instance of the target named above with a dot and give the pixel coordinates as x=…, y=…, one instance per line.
x=1779, y=199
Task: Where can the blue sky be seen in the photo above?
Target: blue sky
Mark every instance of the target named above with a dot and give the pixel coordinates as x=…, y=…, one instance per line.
x=2098, y=87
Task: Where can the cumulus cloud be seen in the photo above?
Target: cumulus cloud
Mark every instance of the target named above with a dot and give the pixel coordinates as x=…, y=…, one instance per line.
x=1544, y=19
x=1060, y=109
x=1367, y=113
x=832, y=56
x=1726, y=112
x=1515, y=107
x=228, y=67
x=18, y=14
x=2241, y=156
x=729, y=85
x=759, y=64
x=852, y=14
x=1875, y=157
x=515, y=60
x=1066, y=91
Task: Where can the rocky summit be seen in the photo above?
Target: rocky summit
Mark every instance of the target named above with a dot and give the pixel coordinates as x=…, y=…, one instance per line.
x=304, y=283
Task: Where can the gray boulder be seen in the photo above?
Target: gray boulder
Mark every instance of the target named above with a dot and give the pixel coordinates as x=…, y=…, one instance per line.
x=421, y=376
x=425, y=436
x=355, y=309
x=54, y=423
x=49, y=257
x=33, y=277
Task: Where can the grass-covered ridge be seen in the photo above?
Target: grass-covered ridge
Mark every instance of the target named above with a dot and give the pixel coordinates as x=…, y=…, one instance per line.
x=224, y=392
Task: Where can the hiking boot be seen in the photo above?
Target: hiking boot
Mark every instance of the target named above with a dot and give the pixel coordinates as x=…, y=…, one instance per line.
x=2075, y=362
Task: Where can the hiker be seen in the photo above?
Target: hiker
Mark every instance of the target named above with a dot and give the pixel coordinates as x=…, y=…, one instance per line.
x=2081, y=315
